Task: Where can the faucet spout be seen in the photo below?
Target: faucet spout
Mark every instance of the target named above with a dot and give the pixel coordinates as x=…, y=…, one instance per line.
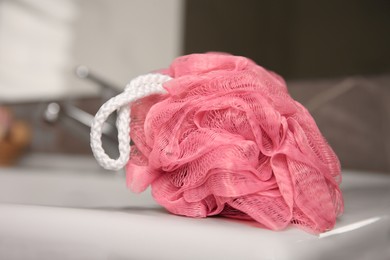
x=55, y=111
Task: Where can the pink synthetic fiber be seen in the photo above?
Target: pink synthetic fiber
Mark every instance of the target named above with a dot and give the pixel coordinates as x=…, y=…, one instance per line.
x=229, y=140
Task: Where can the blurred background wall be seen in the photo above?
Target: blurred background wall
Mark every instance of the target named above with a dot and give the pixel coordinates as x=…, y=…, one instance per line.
x=298, y=39
x=333, y=54
x=42, y=41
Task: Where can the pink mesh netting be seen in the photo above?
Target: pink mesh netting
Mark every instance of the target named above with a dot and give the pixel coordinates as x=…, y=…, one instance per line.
x=228, y=140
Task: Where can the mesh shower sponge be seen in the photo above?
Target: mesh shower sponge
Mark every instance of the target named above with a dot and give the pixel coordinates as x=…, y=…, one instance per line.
x=227, y=139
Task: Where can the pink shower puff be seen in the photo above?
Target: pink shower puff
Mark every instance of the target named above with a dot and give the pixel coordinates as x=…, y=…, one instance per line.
x=229, y=140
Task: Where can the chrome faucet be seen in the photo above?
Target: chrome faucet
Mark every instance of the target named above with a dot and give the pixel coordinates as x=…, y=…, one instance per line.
x=56, y=111
x=108, y=89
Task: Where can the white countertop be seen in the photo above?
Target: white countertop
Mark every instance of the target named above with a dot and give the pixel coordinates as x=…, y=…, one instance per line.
x=90, y=214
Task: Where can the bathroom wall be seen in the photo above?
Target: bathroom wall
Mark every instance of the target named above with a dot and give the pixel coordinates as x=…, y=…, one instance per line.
x=298, y=39
x=120, y=39
x=42, y=41
x=36, y=40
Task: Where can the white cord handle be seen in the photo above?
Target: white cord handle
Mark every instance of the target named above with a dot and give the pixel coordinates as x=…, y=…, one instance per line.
x=137, y=88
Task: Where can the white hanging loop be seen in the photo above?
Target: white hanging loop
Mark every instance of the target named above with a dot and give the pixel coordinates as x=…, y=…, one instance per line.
x=138, y=88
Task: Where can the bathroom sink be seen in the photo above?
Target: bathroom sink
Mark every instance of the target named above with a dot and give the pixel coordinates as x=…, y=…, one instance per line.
x=71, y=209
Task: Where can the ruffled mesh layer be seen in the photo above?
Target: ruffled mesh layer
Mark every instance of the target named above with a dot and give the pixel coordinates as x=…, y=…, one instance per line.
x=229, y=140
